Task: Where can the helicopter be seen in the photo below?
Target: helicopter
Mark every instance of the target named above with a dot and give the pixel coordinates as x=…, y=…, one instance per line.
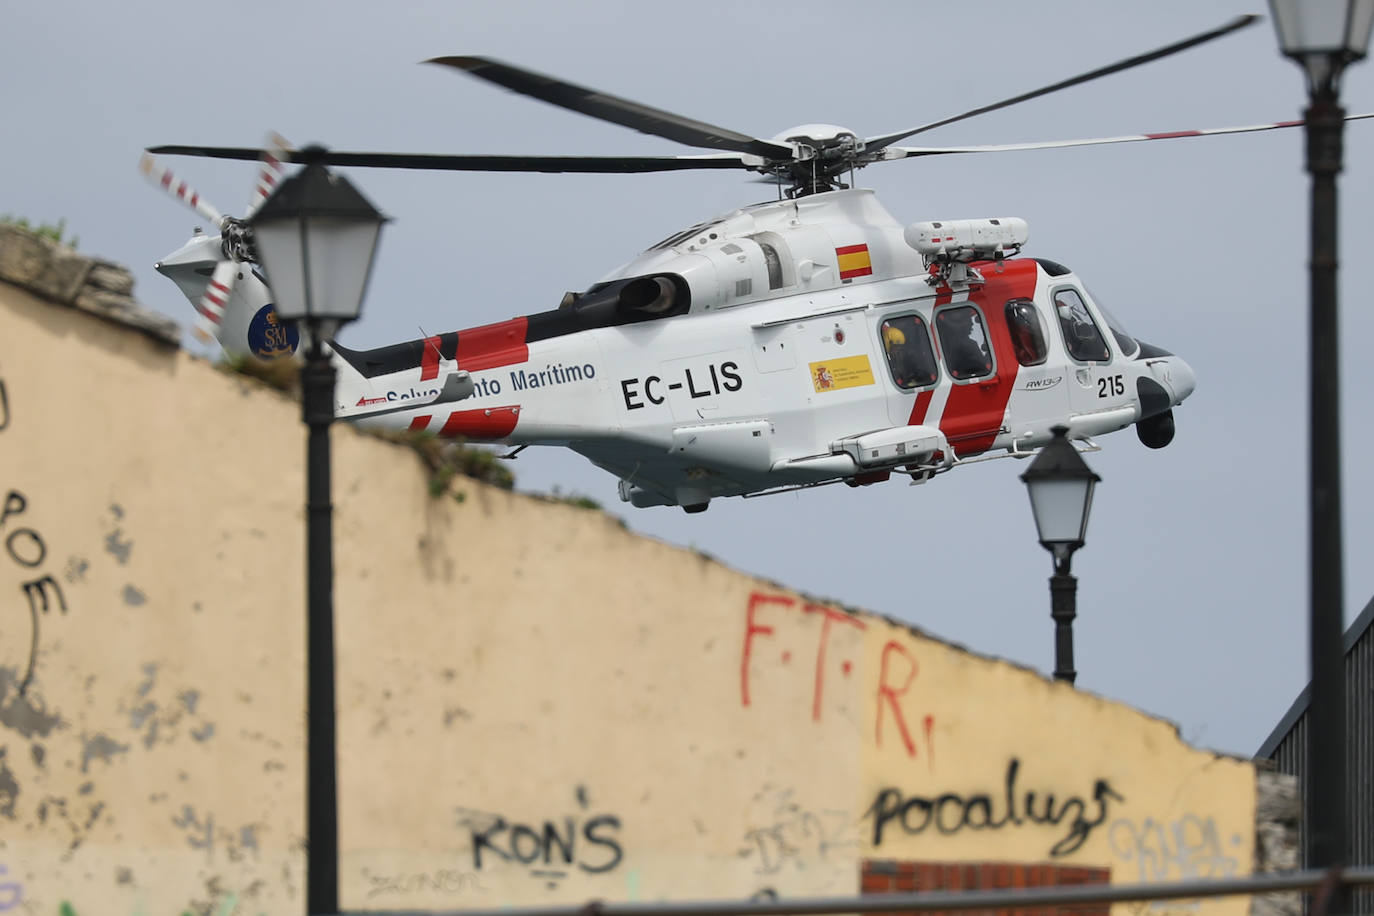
x=802, y=341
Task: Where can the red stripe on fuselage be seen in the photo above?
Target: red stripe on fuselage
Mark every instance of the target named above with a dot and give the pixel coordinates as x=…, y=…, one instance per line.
x=491, y=345
x=918, y=410
x=491, y=423
x=973, y=414
x=429, y=361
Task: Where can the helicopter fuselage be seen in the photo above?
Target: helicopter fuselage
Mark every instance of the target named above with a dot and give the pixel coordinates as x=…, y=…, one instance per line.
x=787, y=344
x=802, y=341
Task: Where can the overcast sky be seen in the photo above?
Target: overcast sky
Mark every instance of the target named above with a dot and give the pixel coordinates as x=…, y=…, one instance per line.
x=1193, y=584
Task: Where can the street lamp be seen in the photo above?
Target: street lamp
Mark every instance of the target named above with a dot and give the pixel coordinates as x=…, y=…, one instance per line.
x=1061, y=494
x=1323, y=37
x=315, y=238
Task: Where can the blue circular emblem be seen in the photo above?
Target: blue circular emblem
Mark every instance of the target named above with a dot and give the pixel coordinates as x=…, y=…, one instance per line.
x=270, y=338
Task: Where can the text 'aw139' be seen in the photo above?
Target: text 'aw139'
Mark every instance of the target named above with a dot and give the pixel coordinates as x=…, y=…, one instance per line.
x=806, y=340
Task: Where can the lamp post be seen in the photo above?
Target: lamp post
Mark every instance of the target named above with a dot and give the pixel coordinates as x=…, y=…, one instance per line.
x=1322, y=37
x=1061, y=494
x=316, y=237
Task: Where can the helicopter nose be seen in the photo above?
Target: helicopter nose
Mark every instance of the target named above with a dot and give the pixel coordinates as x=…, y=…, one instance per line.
x=1168, y=370
x=1167, y=385
x=1183, y=380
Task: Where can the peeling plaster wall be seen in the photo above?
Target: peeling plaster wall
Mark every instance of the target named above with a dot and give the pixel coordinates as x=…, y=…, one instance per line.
x=535, y=705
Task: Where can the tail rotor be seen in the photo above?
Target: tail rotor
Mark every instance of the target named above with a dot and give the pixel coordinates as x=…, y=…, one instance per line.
x=236, y=236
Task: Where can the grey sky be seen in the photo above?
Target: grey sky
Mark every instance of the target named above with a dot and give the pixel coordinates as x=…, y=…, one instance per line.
x=1193, y=587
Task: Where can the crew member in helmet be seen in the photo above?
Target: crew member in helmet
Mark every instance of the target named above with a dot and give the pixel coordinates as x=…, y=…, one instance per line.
x=905, y=353
x=893, y=337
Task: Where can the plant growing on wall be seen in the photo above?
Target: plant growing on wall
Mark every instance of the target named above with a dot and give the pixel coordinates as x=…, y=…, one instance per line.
x=56, y=232
x=282, y=374
x=447, y=459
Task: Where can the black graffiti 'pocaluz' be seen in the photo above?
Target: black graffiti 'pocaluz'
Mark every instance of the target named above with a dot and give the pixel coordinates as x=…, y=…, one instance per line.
x=951, y=812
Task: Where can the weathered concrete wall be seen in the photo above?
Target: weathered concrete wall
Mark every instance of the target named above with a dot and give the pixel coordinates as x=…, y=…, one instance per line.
x=535, y=705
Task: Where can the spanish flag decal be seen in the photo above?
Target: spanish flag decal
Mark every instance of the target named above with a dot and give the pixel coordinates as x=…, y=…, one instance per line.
x=854, y=261
x=845, y=372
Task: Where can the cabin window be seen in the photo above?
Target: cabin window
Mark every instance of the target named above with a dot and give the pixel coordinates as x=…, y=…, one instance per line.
x=909, y=355
x=1081, y=335
x=964, y=342
x=1027, y=332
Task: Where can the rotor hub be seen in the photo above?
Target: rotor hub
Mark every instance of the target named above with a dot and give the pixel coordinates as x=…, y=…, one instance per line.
x=236, y=241
x=823, y=152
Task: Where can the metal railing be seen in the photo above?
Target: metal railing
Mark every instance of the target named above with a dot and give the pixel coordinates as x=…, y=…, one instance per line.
x=1323, y=882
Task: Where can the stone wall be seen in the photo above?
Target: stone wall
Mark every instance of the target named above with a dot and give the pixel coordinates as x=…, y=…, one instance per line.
x=61, y=275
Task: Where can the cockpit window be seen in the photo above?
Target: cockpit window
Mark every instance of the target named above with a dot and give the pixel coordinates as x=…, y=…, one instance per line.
x=1027, y=332
x=1128, y=344
x=964, y=342
x=1081, y=336
x=909, y=355
x=678, y=237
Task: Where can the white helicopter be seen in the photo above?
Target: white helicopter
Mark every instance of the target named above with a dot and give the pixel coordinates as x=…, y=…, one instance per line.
x=807, y=340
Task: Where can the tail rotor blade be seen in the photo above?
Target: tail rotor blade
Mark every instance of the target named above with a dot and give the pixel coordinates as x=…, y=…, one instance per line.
x=211, y=305
x=275, y=152
x=179, y=189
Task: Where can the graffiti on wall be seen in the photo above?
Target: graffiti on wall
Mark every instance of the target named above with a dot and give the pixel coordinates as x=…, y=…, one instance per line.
x=1074, y=816
x=26, y=548
x=448, y=881
x=791, y=836
x=1185, y=848
x=11, y=892
x=897, y=666
x=1178, y=850
x=547, y=849
x=756, y=629
x=782, y=633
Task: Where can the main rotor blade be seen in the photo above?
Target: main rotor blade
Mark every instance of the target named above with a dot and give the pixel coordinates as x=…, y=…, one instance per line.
x=1240, y=22
x=477, y=163
x=643, y=118
x=903, y=152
